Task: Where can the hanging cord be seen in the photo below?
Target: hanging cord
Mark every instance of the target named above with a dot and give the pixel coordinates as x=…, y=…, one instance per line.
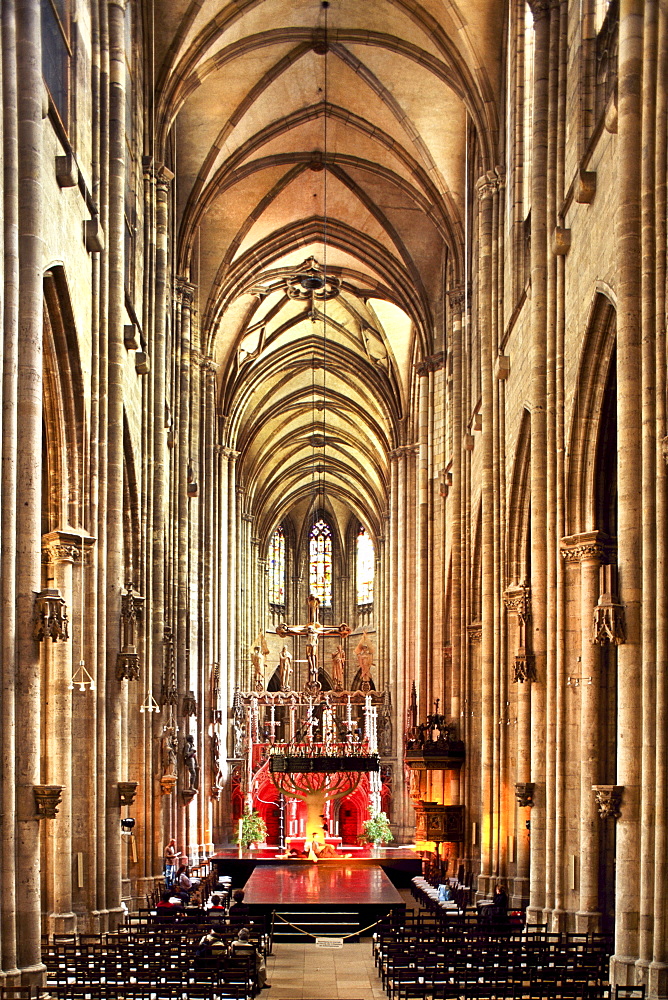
x=325, y=6
x=338, y=937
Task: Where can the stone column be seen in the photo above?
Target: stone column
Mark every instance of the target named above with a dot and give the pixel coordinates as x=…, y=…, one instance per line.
x=454, y=502
x=485, y=188
x=658, y=970
x=630, y=500
x=422, y=615
x=28, y=485
x=518, y=604
x=185, y=292
x=10, y=318
x=538, y=391
x=588, y=550
x=158, y=471
x=60, y=550
x=114, y=471
x=648, y=561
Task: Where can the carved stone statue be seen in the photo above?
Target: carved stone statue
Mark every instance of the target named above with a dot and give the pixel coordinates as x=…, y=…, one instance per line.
x=285, y=668
x=259, y=661
x=191, y=762
x=338, y=664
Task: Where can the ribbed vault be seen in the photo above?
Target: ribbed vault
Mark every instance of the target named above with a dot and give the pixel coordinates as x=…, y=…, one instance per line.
x=321, y=179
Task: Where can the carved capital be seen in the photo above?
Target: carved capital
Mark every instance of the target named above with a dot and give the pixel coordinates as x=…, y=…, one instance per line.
x=209, y=365
x=587, y=546
x=608, y=800
x=539, y=9
x=184, y=290
x=404, y=451
x=486, y=186
x=47, y=800
x=433, y=363
x=127, y=791
x=50, y=619
x=524, y=793
x=61, y=547
x=518, y=602
x=457, y=297
x=475, y=631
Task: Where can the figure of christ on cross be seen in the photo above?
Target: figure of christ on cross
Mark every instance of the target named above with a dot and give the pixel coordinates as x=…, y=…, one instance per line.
x=313, y=631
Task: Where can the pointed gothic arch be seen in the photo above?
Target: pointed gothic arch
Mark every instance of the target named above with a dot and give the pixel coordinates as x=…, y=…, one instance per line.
x=519, y=508
x=587, y=412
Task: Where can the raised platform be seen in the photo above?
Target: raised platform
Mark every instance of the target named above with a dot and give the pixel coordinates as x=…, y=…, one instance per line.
x=400, y=864
x=321, y=899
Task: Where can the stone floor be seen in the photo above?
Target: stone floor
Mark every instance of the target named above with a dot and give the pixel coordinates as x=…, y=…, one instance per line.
x=305, y=972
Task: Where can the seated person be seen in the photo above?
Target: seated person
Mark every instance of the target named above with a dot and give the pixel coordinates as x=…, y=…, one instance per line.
x=317, y=849
x=242, y=947
x=216, y=903
x=444, y=893
x=500, y=903
x=168, y=907
x=239, y=911
x=184, y=881
x=212, y=945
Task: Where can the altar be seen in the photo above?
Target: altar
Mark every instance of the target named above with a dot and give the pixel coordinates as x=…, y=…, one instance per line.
x=297, y=843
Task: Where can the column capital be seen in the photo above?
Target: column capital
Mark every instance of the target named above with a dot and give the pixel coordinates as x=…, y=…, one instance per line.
x=208, y=364
x=65, y=546
x=588, y=546
x=485, y=186
x=517, y=600
x=457, y=297
x=184, y=289
x=432, y=363
x=403, y=450
x=539, y=9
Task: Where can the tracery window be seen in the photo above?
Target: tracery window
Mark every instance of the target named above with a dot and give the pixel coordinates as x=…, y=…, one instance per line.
x=320, y=562
x=365, y=567
x=277, y=567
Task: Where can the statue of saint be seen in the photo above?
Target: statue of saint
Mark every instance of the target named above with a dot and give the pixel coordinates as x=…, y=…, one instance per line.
x=364, y=654
x=338, y=663
x=259, y=661
x=170, y=746
x=285, y=668
x=191, y=762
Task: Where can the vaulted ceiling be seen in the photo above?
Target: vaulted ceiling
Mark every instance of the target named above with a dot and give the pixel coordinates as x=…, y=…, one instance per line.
x=320, y=152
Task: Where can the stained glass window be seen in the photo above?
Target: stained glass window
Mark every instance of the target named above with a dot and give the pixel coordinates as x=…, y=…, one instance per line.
x=277, y=567
x=320, y=562
x=365, y=567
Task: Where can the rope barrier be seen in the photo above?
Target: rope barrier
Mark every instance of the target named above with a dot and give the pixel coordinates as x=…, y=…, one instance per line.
x=339, y=937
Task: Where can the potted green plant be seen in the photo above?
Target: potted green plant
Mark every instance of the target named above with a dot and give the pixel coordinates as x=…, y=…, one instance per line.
x=253, y=830
x=377, y=830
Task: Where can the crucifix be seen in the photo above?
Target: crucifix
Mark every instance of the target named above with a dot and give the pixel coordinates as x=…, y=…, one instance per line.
x=312, y=631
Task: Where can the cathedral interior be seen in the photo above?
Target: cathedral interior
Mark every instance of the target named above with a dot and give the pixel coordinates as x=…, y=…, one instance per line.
x=333, y=404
